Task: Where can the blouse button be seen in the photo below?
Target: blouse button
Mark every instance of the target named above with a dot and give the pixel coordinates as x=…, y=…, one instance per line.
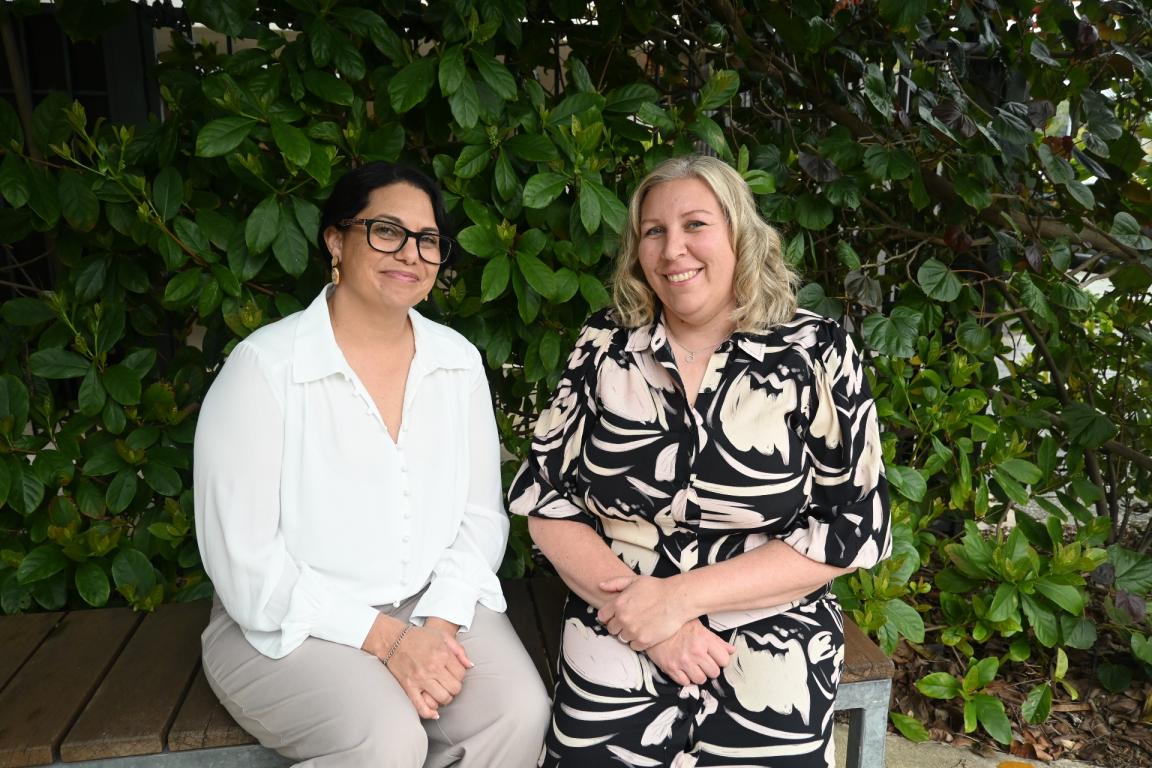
x=406, y=537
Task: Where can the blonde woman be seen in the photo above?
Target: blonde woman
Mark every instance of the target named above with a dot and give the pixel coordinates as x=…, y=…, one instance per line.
x=709, y=463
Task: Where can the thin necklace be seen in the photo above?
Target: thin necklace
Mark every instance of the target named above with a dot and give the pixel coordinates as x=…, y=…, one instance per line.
x=691, y=353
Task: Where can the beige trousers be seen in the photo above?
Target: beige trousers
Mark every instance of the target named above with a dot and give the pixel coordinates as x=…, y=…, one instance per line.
x=327, y=705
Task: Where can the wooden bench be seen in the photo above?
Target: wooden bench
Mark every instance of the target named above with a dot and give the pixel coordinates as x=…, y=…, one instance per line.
x=110, y=688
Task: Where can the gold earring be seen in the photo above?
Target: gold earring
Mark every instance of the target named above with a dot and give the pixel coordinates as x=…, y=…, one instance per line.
x=335, y=271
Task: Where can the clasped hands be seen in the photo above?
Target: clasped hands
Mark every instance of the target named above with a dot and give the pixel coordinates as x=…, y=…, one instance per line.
x=646, y=613
x=429, y=663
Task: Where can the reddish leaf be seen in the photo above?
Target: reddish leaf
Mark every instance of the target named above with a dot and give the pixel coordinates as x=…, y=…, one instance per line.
x=819, y=168
x=957, y=239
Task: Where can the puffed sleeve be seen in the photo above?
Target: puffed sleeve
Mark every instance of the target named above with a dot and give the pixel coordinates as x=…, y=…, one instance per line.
x=466, y=572
x=847, y=522
x=546, y=485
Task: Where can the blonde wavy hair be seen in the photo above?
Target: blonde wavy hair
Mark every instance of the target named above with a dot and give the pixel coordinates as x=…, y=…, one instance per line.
x=763, y=284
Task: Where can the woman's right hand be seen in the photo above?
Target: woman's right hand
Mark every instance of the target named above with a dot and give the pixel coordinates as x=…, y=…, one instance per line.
x=694, y=654
x=428, y=664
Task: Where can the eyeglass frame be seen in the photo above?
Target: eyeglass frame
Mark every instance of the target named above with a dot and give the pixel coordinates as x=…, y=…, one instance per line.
x=408, y=234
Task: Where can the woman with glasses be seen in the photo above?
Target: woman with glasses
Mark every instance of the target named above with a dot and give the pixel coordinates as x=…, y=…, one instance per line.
x=349, y=513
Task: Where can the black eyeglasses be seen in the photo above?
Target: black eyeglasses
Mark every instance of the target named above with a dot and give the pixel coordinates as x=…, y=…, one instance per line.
x=389, y=237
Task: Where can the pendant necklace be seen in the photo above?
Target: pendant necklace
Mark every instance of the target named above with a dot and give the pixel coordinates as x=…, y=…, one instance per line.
x=690, y=354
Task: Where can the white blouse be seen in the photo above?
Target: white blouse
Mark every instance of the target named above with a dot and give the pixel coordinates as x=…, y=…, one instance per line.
x=308, y=514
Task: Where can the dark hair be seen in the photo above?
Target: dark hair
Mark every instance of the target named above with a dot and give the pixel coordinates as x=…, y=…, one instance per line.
x=352, y=191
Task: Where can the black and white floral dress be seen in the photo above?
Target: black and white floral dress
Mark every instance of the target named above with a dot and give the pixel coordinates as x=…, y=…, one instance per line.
x=782, y=442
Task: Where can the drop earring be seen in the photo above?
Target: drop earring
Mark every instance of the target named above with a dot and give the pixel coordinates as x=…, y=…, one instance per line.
x=335, y=271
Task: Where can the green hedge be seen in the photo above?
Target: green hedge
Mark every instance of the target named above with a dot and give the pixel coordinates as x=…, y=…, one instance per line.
x=948, y=177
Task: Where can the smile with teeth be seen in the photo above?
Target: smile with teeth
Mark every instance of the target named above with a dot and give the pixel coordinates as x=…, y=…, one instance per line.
x=680, y=277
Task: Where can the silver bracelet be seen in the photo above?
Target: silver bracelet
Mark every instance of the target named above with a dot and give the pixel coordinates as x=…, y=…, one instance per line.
x=396, y=645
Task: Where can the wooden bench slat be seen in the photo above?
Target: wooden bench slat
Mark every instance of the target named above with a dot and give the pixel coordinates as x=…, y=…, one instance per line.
x=131, y=710
x=20, y=636
x=42, y=700
x=203, y=723
x=523, y=620
x=863, y=659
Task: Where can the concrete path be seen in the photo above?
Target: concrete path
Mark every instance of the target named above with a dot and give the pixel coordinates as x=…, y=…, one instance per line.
x=902, y=753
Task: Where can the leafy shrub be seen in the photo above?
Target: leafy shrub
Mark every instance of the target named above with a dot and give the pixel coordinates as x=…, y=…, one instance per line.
x=955, y=180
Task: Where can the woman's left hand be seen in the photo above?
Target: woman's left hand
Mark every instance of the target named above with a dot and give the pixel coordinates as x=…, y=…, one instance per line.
x=645, y=610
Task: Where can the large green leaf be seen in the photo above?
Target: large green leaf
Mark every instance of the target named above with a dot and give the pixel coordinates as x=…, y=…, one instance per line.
x=473, y=159
x=712, y=134
x=290, y=247
x=133, y=573
x=613, y=212
x=1133, y=570
x=813, y=212
x=1127, y=230
x=907, y=481
x=329, y=88
x=575, y=104
x=452, y=70
x=594, y=292
x=1022, y=470
x=481, y=241
x=162, y=479
x=465, y=104
x=122, y=384
x=974, y=191
x=411, y=85
x=533, y=147
x=183, y=288
x=78, y=202
x=43, y=561
x=496, y=75
x=895, y=334
x=221, y=136
x=904, y=619
x=939, y=685
x=57, y=364
x=539, y=276
x=1038, y=705
x=1087, y=427
x=543, y=188
x=27, y=312
x=168, y=192
x=495, y=278
x=11, y=132
x=227, y=16
x=938, y=281
x=990, y=714
x=92, y=584
x=629, y=98
x=886, y=164
x=292, y=142
x=263, y=225
x=718, y=90
x=15, y=185
x=590, y=211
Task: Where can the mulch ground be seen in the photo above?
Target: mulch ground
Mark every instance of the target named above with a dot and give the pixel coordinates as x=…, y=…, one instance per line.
x=1098, y=726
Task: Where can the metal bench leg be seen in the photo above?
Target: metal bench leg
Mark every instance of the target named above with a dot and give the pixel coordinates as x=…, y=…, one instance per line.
x=867, y=705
